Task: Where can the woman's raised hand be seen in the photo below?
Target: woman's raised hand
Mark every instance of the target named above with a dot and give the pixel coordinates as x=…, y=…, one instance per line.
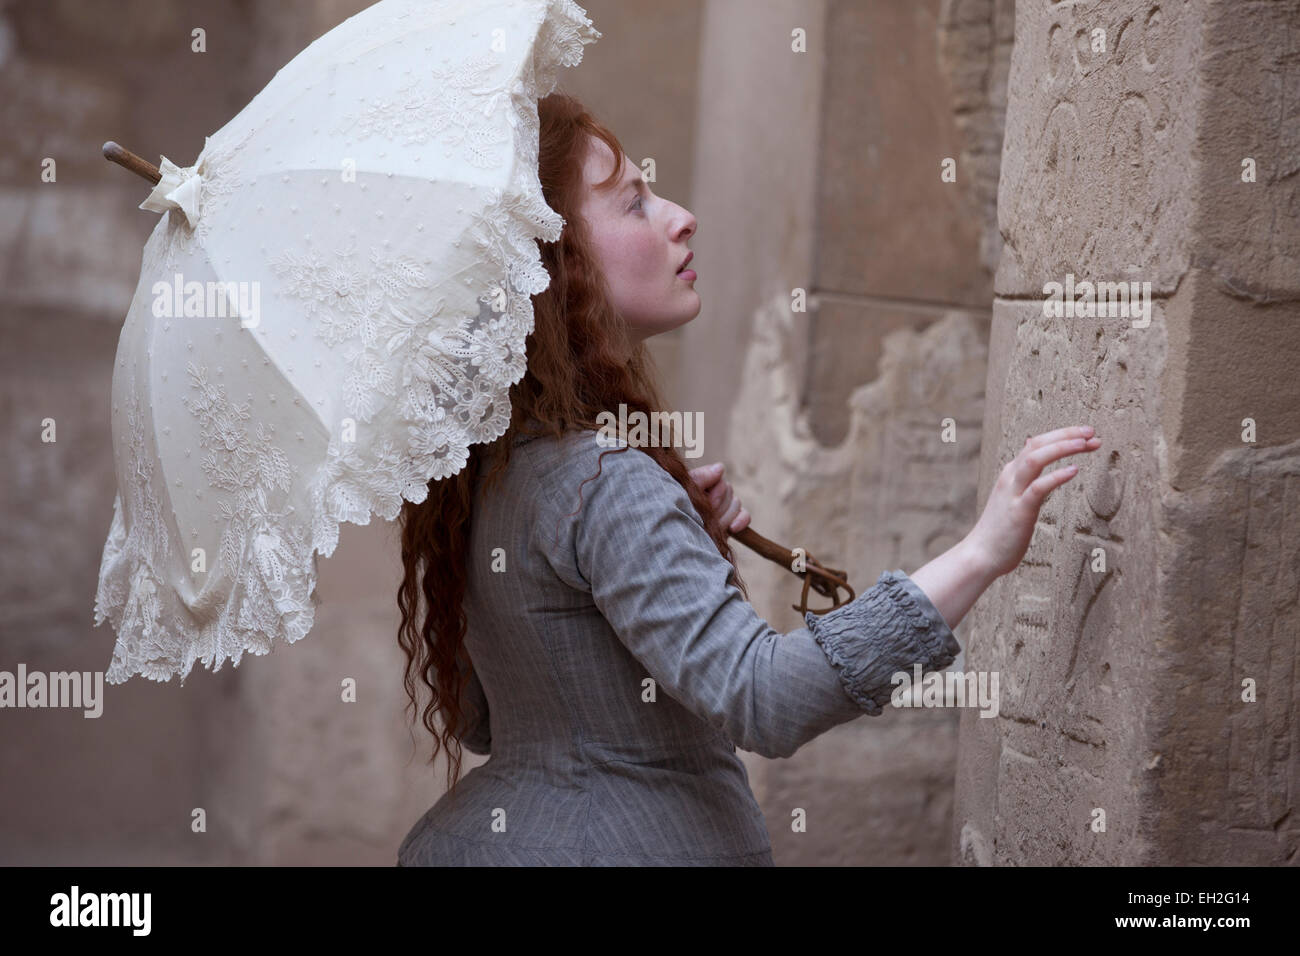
x=709, y=479
x=1002, y=534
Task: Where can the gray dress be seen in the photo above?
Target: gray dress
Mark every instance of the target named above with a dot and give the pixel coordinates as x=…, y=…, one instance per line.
x=616, y=671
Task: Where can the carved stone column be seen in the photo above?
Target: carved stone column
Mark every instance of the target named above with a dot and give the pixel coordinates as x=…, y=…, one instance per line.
x=1147, y=644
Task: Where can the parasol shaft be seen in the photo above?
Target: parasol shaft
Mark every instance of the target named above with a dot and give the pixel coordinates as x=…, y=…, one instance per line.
x=764, y=546
x=129, y=160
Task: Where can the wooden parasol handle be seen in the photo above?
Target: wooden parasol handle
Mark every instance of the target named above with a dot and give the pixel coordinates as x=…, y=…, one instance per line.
x=825, y=581
x=129, y=160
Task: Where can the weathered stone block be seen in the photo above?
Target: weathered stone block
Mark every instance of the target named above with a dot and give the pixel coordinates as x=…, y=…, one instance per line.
x=890, y=118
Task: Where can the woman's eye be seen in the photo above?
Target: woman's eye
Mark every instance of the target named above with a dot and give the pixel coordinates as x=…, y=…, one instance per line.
x=637, y=204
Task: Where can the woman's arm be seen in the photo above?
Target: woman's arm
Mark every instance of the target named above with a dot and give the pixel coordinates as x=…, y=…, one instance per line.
x=954, y=580
x=996, y=545
x=623, y=530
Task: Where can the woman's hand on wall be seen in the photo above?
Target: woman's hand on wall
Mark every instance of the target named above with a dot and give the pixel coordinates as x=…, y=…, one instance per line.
x=708, y=478
x=995, y=546
x=1004, y=530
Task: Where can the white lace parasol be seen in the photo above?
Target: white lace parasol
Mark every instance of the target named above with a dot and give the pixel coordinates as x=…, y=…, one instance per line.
x=331, y=311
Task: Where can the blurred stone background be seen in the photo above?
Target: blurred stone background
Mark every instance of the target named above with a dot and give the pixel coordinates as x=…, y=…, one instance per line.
x=816, y=171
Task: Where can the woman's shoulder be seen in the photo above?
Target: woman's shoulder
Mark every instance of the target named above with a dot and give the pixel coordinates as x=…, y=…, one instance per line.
x=575, y=448
x=599, y=463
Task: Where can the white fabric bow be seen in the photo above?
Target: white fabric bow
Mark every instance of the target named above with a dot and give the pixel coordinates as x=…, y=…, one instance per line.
x=179, y=188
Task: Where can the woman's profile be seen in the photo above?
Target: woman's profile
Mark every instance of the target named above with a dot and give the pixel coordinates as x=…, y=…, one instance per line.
x=573, y=610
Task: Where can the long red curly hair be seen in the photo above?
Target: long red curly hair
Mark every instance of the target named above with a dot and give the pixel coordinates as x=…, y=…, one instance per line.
x=578, y=366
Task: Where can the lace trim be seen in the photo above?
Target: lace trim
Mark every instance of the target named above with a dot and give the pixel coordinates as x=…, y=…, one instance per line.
x=880, y=632
x=262, y=554
x=444, y=379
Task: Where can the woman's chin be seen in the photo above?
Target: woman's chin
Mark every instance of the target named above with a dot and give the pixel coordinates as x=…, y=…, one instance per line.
x=698, y=304
x=645, y=328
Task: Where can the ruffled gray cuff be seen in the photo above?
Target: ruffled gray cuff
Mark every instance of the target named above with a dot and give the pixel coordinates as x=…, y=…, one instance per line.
x=881, y=632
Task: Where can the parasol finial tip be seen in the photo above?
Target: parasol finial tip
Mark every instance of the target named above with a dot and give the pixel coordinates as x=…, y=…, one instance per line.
x=129, y=160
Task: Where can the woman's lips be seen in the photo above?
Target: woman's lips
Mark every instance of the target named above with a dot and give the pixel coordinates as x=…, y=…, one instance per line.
x=687, y=274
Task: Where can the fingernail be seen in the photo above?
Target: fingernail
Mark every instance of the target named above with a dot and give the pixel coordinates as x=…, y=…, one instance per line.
x=1088, y=430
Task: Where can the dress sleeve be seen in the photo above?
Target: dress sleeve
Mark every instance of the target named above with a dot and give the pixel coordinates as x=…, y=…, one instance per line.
x=639, y=547
x=477, y=738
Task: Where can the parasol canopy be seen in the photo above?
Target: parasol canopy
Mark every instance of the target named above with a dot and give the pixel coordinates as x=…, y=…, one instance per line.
x=331, y=310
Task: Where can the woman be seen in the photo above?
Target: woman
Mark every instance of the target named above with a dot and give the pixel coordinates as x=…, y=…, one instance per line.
x=584, y=623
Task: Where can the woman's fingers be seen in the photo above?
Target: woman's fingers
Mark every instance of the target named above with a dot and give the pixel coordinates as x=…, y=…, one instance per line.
x=1032, y=462
x=1045, y=455
x=1039, y=488
x=706, y=476
x=1071, y=431
x=721, y=495
x=727, y=505
x=741, y=521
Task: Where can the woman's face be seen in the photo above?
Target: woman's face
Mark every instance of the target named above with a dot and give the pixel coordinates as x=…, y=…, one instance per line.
x=640, y=243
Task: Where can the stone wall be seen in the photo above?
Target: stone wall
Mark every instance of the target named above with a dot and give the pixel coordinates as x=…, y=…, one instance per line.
x=1166, y=575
